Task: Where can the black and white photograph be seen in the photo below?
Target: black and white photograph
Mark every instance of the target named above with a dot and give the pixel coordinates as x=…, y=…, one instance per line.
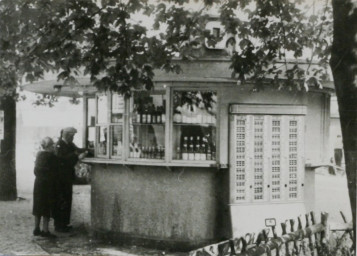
x=178, y=127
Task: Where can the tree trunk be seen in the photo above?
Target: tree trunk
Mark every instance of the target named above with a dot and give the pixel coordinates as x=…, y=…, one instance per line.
x=344, y=68
x=8, y=150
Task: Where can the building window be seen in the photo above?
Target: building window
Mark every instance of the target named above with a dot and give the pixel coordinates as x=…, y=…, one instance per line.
x=216, y=32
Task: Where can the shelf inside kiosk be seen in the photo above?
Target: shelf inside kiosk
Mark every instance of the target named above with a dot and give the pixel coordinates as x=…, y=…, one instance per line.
x=147, y=125
x=194, y=125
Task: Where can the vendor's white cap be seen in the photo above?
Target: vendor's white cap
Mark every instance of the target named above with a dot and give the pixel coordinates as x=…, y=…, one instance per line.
x=69, y=130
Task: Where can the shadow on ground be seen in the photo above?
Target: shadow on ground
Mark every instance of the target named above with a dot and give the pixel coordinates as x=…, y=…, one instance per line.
x=79, y=242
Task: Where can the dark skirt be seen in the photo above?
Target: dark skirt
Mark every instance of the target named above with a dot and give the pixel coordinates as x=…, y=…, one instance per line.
x=43, y=198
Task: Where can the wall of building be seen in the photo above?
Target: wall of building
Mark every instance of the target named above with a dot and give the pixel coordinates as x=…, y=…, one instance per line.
x=181, y=208
x=317, y=128
x=335, y=128
x=234, y=95
x=316, y=135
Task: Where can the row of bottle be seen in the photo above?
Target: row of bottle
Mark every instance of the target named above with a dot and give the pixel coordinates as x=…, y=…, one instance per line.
x=149, y=114
x=153, y=152
x=203, y=118
x=198, y=150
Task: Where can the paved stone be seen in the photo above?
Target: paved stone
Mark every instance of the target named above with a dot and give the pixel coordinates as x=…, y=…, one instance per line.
x=16, y=226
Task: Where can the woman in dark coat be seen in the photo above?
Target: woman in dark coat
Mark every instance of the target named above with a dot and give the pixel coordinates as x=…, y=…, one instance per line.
x=46, y=168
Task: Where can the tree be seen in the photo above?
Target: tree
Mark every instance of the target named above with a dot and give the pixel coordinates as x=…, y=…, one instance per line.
x=344, y=68
x=107, y=40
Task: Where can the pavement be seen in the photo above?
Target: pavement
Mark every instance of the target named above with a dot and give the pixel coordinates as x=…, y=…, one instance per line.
x=17, y=222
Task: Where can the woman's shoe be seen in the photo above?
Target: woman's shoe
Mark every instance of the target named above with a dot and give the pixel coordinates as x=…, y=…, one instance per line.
x=48, y=235
x=37, y=232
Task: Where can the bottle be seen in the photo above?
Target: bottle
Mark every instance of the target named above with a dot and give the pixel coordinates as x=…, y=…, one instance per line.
x=144, y=115
x=163, y=114
x=137, y=151
x=147, y=152
x=191, y=150
x=209, y=153
x=197, y=149
x=203, y=150
x=134, y=114
x=131, y=151
x=209, y=118
x=149, y=115
x=155, y=152
x=139, y=115
x=185, y=149
x=142, y=155
x=162, y=152
x=178, y=153
x=152, y=113
x=158, y=115
x=152, y=153
x=213, y=157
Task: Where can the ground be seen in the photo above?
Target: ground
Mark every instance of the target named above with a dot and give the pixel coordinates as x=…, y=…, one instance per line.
x=16, y=223
x=16, y=226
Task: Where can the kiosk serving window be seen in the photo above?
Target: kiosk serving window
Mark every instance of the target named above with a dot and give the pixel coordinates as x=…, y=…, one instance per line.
x=90, y=139
x=194, y=125
x=141, y=128
x=117, y=106
x=147, y=125
x=110, y=123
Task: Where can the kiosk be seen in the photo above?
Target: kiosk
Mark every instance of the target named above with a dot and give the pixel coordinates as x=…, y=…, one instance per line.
x=201, y=158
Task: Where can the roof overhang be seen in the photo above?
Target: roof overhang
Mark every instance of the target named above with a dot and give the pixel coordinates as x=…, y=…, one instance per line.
x=59, y=88
x=217, y=70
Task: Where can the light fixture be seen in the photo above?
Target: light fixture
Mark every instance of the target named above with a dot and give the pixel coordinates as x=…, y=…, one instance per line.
x=57, y=87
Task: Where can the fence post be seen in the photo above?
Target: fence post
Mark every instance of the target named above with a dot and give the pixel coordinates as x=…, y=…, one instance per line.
x=317, y=244
x=326, y=233
x=311, y=245
x=283, y=227
x=345, y=221
x=275, y=236
x=301, y=235
x=292, y=229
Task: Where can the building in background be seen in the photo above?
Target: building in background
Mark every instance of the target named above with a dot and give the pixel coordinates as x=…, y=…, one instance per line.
x=36, y=122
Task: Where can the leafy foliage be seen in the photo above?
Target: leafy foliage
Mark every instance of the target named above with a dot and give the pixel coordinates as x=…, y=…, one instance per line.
x=271, y=31
x=108, y=41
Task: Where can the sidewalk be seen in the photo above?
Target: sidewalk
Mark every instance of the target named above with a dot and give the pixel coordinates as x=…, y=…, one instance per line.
x=16, y=226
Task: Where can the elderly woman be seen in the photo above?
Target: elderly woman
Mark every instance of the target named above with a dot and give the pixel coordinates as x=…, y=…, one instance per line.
x=46, y=167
